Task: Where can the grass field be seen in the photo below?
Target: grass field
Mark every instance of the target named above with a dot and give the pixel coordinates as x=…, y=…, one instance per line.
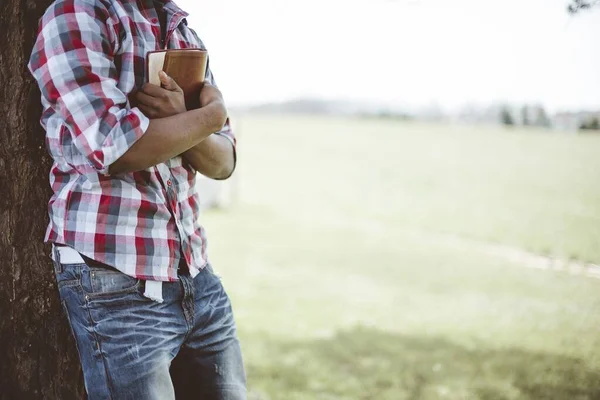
x=344, y=283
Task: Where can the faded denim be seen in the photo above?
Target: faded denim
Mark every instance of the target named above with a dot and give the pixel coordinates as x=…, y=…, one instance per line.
x=131, y=347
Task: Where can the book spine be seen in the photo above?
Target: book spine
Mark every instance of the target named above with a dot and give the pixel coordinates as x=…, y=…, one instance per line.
x=166, y=63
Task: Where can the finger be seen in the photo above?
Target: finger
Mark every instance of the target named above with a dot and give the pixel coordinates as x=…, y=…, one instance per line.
x=168, y=82
x=147, y=100
x=148, y=111
x=154, y=91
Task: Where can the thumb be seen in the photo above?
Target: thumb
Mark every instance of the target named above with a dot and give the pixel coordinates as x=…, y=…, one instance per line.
x=168, y=82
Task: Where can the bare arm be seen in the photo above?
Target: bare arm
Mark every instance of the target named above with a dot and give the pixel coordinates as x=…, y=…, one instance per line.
x=213, y=155
x=171, y=136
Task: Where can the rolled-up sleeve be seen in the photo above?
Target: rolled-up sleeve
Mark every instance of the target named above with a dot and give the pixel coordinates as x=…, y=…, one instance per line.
x=72, y=62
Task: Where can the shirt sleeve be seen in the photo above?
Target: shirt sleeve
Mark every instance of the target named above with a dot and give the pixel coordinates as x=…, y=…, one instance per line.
x=226, y=131
x=73, y=63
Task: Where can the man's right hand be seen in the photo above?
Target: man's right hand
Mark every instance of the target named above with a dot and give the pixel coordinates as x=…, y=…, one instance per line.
x=168, y=137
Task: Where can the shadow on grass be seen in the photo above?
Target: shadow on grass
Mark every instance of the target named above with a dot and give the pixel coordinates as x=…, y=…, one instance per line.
x=369, y=364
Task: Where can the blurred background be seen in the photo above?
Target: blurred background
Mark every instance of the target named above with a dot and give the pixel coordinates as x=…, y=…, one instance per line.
x=416, y=208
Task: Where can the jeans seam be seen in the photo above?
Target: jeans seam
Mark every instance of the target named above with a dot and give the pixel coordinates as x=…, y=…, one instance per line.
x=97, y=340
x=66, y=310
x=229, y=385
x=189, y=321
x=58, y=268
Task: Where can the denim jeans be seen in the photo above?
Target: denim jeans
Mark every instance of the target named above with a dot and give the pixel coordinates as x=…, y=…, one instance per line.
x=131, y=347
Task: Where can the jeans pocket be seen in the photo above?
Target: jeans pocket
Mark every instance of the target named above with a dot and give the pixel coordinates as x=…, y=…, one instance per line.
x=67, y=274
x=211, y=270
x=103, y=282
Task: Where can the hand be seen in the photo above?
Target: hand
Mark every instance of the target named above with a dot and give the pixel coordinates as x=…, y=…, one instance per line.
x=210, y=94
x=161, y=102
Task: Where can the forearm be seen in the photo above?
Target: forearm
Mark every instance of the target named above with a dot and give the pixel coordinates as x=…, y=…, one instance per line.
x=168, y=137
x=214, y=157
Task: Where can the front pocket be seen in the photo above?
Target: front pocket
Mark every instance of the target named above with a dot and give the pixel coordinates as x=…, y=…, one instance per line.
x=105, y=282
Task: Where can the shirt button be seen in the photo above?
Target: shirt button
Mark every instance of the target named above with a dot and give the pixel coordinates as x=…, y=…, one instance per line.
x=169, y=183
x=154, y=20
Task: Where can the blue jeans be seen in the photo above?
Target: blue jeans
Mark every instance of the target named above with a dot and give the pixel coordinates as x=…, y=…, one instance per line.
x=131, y=347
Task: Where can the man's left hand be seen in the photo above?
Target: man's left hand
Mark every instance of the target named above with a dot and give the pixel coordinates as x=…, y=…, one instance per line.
x=161, y=102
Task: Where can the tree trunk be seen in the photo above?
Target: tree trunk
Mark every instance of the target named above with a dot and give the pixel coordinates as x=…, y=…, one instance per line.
x=38, y=357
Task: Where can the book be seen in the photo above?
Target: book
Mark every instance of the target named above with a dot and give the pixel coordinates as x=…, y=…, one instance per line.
x=186, y=66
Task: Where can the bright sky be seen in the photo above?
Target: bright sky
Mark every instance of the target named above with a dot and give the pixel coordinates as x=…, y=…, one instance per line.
x=403, y=52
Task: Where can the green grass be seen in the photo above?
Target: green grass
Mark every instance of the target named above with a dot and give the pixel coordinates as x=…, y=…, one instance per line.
x=343, y=290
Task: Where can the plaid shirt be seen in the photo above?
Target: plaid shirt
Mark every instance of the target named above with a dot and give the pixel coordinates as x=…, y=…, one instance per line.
x=88, y=57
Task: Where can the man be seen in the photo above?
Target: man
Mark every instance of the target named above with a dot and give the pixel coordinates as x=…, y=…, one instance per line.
x=150, y=318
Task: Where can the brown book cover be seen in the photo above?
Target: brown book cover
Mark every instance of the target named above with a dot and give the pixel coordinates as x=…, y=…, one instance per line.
x=186, y=66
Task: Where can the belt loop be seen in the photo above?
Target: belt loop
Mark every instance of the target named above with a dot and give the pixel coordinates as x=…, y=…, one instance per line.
x=57, y=264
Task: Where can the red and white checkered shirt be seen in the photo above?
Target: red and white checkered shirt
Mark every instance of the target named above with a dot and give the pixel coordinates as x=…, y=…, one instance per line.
x=88, y=57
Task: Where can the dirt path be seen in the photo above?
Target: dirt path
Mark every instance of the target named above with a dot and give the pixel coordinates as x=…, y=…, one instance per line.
x=517, y=256
x=511, y=254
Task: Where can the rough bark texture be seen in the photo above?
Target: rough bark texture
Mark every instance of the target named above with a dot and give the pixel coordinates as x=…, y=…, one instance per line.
x=38, y=358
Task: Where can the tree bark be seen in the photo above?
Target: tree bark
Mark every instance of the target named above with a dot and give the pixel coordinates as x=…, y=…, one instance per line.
x=38, y=357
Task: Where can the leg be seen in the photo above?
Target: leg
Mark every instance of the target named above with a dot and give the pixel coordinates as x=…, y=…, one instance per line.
x=125, y=341
x=209, y=365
